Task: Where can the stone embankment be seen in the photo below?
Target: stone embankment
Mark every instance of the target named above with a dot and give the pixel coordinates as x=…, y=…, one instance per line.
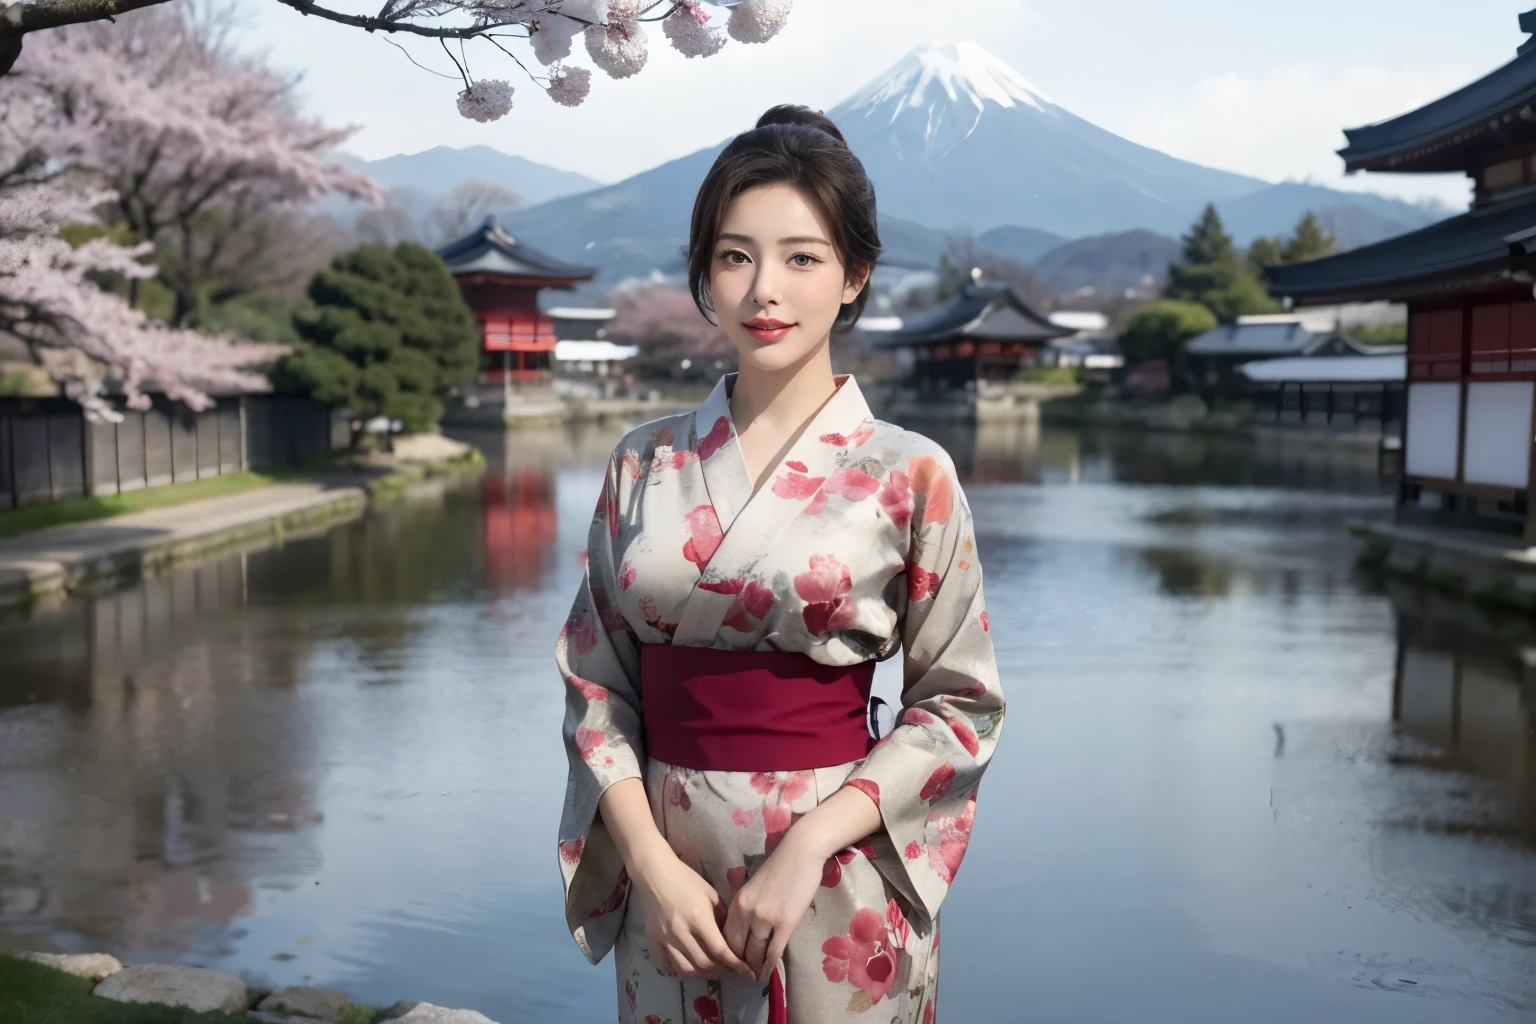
x=203, y=990
x=49, y=563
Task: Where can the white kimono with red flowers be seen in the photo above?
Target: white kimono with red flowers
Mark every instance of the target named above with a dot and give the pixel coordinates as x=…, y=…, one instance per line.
x=860, y=544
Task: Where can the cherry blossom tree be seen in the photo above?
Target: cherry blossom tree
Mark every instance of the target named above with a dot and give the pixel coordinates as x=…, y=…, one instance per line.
x=667, y=326
x=203, y=148
x=614, y=34
x=178, y=145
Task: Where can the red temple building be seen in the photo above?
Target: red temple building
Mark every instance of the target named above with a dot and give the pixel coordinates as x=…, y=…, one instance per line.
x=1467, y=282
x=500, y=277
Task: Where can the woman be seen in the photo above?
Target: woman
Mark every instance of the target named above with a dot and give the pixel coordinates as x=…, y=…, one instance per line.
x=730, y=824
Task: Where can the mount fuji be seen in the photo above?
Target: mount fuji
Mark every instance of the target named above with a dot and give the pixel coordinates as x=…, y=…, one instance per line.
x=951, y=135
x=955, y=139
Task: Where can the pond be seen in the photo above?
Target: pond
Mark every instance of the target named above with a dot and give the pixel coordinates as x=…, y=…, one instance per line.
x=1238, y=780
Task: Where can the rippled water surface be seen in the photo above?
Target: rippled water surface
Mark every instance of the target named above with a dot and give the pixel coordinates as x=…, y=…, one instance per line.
x=1238, y=782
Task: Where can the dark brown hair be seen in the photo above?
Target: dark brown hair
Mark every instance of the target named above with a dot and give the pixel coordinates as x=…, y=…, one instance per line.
x=791, y=145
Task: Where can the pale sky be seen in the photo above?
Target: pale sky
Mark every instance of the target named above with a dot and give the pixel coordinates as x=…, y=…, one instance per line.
x=1262, y=88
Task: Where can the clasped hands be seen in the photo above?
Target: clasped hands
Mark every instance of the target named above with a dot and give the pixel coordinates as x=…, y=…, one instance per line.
x=694, y=934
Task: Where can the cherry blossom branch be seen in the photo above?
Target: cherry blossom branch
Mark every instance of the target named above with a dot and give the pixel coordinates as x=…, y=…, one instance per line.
x=395, y=22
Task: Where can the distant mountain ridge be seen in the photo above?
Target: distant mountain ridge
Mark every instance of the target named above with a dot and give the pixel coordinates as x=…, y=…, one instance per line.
x=437, y=170
x=955, y=140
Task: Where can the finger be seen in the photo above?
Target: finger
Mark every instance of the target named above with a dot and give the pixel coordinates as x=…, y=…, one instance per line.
x=699, y=960
x=716, y=946
x=757, y=945
x=735, y=930
x=775, y=950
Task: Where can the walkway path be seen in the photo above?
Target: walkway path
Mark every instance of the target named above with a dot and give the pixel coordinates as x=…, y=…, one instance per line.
x=48, y=562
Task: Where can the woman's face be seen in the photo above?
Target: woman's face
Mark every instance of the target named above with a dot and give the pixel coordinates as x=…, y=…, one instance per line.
x=774, y=278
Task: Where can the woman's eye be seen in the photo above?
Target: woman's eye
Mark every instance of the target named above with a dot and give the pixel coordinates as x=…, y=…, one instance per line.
x=731, y=254
x=809, y=259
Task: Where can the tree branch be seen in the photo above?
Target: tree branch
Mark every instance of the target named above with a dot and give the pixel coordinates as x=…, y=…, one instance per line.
x=19, y=18
x=393, y=25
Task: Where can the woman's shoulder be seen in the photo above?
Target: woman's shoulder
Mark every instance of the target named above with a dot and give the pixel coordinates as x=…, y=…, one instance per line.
x=896, y=442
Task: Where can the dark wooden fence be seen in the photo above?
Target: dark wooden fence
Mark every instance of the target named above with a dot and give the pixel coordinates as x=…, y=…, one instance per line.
x=49, y=450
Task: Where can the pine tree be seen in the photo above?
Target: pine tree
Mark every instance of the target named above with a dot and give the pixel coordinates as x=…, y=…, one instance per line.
x=388, y=335
x=1212, y=274
x=1308, y=242
x=1208, y=241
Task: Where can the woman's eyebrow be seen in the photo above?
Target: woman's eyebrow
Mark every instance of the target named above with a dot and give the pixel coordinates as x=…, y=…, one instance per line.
x=792, y=240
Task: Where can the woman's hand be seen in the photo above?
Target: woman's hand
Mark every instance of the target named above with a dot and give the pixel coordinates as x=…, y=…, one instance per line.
x=765, y=911
x=682, y=913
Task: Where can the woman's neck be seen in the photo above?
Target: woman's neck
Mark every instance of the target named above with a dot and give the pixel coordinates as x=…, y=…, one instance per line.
x=777, y=403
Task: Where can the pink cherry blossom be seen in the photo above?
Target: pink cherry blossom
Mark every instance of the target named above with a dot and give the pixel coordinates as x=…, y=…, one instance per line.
x=865, y=957
x=869, y=787
x=588, y=689
x=965, y=734
x=921, y=584
x=825, y=589
x=797, y=486
x=947, y=839
x=752, y=604
x=896, y=498
x=938, y=783
x=705, y=535
x=853, y=484
x=717, y=437
x=588, y=744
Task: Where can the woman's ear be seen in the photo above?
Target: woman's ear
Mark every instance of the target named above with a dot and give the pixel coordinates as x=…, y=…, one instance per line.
x=857, y=278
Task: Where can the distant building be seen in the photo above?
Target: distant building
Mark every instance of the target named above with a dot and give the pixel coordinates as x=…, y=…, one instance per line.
x=1349, y=391
x=1216, y=355
x=580, y=323
x=984, y=332
x=1467, y=282
x=500, y=278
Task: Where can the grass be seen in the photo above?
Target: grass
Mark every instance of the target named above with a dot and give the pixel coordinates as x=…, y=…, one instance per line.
x=1047, y=375
x=81, y=510
x=34, y=994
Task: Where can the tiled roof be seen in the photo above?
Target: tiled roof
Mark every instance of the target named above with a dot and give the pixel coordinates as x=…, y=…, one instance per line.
x=982, y=309
x=1473, y=245
x=489, y=249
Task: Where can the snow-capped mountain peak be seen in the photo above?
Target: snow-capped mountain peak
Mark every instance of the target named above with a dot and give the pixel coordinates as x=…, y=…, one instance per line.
x=937, y=72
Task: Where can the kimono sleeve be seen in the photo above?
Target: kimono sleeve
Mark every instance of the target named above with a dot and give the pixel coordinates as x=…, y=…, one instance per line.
x=924, y=774
x=598, y=658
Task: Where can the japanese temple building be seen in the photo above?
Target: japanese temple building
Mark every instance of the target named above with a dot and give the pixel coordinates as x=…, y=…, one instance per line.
x=984, y=332
x=500, y=277
x=1467, y=282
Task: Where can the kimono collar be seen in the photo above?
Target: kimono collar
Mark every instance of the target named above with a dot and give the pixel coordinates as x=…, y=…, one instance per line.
x=841, y=414
x=841, y=418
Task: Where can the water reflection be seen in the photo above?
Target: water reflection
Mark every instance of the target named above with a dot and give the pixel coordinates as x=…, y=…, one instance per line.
x=1466, y=691
x=1246, y=782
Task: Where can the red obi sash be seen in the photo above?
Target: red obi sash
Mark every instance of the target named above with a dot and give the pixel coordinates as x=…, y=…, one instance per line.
x=752, y=711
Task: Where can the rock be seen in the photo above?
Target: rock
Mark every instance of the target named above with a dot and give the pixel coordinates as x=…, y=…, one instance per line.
x=426, y=1013
x=84, y=965
x=306, y=1001
x=196, y=988
x=261, y=1017
x=396, y=1009
x=427, y=448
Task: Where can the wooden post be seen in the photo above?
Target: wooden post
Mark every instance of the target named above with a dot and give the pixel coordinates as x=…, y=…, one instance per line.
x=1530, y=477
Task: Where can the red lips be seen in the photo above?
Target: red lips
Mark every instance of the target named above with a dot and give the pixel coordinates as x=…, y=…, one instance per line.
x=767, y=329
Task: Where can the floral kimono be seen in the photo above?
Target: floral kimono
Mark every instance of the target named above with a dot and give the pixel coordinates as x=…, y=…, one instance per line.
x=858, y=545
